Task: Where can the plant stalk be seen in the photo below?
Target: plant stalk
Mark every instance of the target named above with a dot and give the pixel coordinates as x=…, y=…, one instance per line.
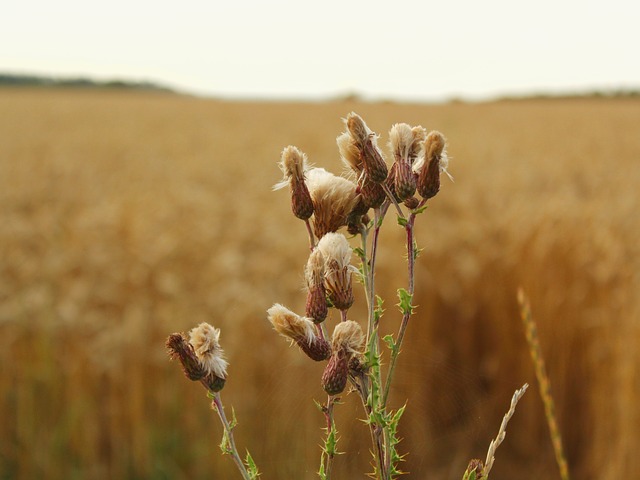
x=228, y=431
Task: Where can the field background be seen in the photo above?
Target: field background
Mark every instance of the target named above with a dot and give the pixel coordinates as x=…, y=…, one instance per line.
x=127, y=216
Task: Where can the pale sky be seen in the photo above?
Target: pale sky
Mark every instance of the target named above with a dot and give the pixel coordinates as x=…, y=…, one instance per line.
x=407, y=50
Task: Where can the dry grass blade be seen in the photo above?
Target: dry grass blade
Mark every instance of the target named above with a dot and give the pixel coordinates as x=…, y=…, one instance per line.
x=543, y=382
x=495, y=443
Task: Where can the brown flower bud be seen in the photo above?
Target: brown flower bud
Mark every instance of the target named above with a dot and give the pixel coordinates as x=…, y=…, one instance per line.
x=334, y=377
x=213, y=382
x=373, y=194
x=317, y=349
x=337, y=269
x=428, y=183
x=316, y=307
x=301, y=204
x=476, y=466
x=411, y=203
x=180, y=349
x=300, y=330
x=374, y=166
x=293, y=164
x=404, y=181
x=359, y=150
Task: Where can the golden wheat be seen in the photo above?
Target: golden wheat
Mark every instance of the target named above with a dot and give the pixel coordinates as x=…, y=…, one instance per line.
x=126, y=216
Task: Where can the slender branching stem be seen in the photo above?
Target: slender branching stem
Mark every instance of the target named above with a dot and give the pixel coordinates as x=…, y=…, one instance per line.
x=392, y=199
x=228, y=432
x=411, y=256
x=312, y=238
x=343, y=315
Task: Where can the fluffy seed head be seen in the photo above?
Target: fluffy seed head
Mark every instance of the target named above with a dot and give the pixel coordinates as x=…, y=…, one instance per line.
x=299, y=330
x=314, y=271
x=348, y=336
x=406, y=142
x=349, y=153
x=337, y=269
x=205, y=342
x=290, y=325
x=333, y=199
x=293, y=163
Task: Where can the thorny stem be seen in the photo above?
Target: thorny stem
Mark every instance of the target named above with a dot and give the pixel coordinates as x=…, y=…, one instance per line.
x=378, y=433
x=411, y=254
x=331, y=426
x=312, y=239
x=228, y=432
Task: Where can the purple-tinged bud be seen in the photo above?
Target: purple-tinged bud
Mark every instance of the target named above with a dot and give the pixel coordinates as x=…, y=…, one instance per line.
x=336, y=373
x=300, y=330
x=316, y=308
x=293, y=164
x=412, y=203
x=373, y=195
x=435, y=162
x=337, y=269
x=404, y=181
x=180, y=349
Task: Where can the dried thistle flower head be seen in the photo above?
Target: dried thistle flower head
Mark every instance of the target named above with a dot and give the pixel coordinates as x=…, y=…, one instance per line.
x=299, y=330
x=337, y=269
x=348, y=336
x=336, y=373
x=293, y=164
x=347, y=343
x=205, y=342
x=349, y=153
x=406, y=144
x=180, y=349
x=435, y=162
x=364, y=142
x=316, y=307
x=333, y=200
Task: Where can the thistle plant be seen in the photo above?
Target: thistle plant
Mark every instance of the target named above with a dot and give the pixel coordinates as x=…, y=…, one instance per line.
x=359, y=202
x=358, y=359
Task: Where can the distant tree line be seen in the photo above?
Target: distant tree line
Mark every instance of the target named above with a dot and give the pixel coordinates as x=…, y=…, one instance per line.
x=9, y=79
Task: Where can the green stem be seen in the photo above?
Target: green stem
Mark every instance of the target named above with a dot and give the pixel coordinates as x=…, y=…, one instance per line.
x=329, y=450
x=407, y=314
x=228, y=429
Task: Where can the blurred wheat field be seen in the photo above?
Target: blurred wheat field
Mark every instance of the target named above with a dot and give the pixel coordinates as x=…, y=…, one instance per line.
x=128, y=216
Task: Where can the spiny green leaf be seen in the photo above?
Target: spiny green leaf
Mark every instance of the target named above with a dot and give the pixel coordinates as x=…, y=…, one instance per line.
x=402, y=221
x=419, y=210
x=234, y=421
x=390, y=342
x=378, y=310
x=359, y=252
x=321, y=473
x=416, y=250
x=469, y=475
x=405, y=301
x=251, y=466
